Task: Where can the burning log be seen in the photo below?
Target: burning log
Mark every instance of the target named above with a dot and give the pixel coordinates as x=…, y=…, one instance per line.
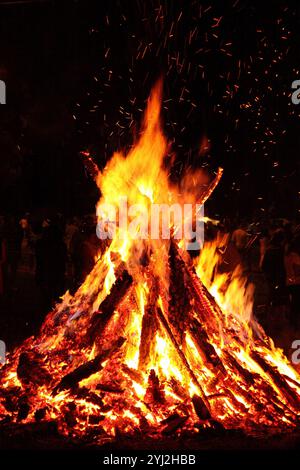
x=149, y=327
x=179, y=390
x=251, y=399
x=292, y=381
x=172, y=423
x=89, y=396
x=268, y=395
x=202, y=300
x=133, y=374
x=109, y=305
x=84, y=371
x=200, y=408
x=30, y=370
x=154, y=391
x=237, y=405
x=235, y=366
x=179, y=303
x=204, y=348
x=109, y=388
x=24, y=409
x=70, y=415
x=40, y=414
x=96, y=419
x=10, y=398
x=290, y=394
x=182, y=357
x=211, y=187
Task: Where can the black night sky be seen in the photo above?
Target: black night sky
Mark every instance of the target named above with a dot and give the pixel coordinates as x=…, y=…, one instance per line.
x=78, y=74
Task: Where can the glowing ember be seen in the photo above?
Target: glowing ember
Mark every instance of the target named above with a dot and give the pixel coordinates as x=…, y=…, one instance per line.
x=151, y=343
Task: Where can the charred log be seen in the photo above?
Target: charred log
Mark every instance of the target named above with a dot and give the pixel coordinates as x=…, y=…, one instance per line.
x=179, y=389
x=179, y=303
x=290, y=395
x=204, y=348
x=200, y=408
x=24, y=409
x=202, y=300
x=154, y=393
x=133, y=374
x=40, y=414
x=89, y=396
x=235, y=366
x=96, y=419
x=110, y=388
x=149, y=327
x=173, y=423
x=11, y=397
x=84, y=371
x=70, y=415
x=109, y=305
x=30, y=370
x=182, y=357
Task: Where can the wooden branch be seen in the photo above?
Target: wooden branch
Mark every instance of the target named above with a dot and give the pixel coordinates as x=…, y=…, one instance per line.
x=211, y=187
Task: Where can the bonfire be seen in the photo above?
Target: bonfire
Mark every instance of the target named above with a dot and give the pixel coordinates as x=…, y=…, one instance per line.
x=154, y=342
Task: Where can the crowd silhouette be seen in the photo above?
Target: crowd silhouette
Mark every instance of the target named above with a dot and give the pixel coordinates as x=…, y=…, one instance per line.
x=60, y=252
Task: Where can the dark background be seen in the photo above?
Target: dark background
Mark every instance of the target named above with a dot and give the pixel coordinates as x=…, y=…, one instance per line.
x=78, y=74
